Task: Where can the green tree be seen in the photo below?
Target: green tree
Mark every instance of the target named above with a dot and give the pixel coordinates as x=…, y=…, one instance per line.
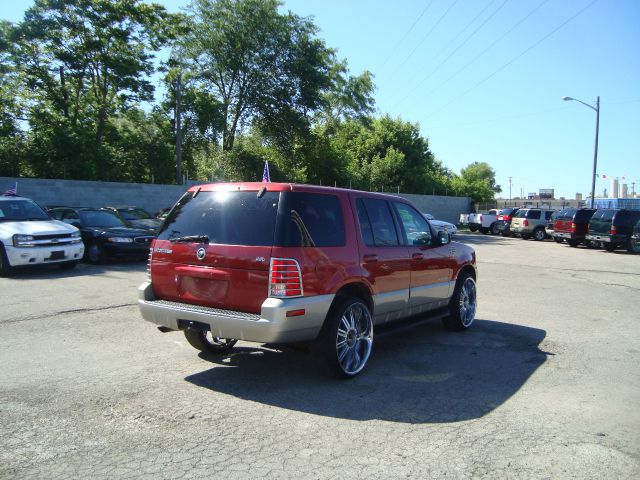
x=85, y=61
x=478, y=181
x=265, y=68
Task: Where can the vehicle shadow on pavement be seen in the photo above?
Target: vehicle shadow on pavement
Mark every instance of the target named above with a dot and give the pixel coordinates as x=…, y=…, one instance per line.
x=480, y=239
x=425, y=375
x=50, y=272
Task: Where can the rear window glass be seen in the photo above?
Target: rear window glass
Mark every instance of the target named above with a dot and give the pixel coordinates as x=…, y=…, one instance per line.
x=566, y=214
x=100, y=218
x=626, y=217
x=604, y=215
x=521, y=214
x=315, y=221
x=533, y=214
x=228, y=218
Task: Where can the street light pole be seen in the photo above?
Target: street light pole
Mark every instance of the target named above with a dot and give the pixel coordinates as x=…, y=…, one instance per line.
x=595, y=151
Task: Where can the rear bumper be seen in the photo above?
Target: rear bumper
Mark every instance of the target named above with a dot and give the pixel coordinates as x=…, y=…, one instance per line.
x=568, y=235
x=271, y=326
x=599, y=238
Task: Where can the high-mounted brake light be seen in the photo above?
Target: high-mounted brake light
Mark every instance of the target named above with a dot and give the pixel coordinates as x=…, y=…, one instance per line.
x=285, y=278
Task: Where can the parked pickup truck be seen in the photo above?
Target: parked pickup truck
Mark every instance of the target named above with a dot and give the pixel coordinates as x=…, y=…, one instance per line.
x=485, y=222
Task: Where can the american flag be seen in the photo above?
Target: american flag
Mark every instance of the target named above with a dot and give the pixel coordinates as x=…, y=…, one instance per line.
x=265, y=172
x=12, y=190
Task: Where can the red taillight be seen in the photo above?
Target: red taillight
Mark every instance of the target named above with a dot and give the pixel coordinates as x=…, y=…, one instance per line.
x=614, y=230
x=525, y=223
x=285, y=278
x=506, y=218
x=573, y=227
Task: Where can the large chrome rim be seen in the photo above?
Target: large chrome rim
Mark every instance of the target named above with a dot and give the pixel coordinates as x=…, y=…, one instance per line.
x=468, y=302
x=354, y=338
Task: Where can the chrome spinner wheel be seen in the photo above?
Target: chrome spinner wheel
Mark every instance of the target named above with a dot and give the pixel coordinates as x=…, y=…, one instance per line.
x=347, y=338
x=354, y=338
x=463, y=304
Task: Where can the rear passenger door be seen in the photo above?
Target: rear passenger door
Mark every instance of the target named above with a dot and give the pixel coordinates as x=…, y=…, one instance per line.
x=431, y=264
x=384, y=257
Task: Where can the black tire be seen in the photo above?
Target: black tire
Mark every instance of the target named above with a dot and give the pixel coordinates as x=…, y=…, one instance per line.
x=592, y=245
x=495, y=230
x=609, y=247
x=573, y=243
x=473, y=229
x=485, y=231
x=463, y=304
x=5, y=267
x=206, y=342
x=634, y=245
x=538, y=234
x=346, y=339
x=525, y=236
x=505, y=232
x=560, y=240
x=68, y=265
x=95, y=254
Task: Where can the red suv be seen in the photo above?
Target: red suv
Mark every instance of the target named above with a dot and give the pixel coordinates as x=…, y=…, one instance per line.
x=285, y=263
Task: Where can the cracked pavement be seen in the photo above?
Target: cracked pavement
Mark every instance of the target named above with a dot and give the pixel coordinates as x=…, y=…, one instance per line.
x=545, y=384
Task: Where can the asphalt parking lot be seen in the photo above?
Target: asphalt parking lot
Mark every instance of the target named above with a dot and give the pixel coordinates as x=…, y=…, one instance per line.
x=545, y=385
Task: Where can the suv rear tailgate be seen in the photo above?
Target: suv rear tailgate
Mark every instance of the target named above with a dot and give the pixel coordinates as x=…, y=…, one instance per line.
x=232, y=277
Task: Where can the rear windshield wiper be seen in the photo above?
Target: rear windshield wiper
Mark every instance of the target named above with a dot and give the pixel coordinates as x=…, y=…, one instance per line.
x=191, y=238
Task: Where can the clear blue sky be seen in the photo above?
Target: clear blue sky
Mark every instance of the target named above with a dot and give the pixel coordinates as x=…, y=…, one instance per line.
x=486, y=84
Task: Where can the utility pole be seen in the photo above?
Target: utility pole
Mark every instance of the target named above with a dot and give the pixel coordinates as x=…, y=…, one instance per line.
x=633, y=190
x=510, y=190
x=178, y=130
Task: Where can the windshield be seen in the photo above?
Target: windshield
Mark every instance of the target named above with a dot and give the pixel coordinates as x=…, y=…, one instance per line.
x=133, y=213
x=21, y=210
x=100, y=218
x=229, y=218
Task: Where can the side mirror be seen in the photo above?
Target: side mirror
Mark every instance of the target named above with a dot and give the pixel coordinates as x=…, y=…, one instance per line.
x=443, y=238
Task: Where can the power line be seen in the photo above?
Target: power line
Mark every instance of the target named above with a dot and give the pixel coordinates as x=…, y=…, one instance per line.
x=466, y=40
x=513, y=60
x=407, y=33
x=424, y=38
x=500, y=119
x=493, y=44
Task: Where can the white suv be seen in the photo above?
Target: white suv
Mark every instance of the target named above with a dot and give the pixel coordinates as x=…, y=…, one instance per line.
x=28, y=236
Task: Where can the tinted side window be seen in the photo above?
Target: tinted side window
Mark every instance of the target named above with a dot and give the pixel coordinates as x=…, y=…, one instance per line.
x=533, y=214
x=384, y=230
x=416, y=228
x=315, y=221
x=365, y=224
x=548, y=215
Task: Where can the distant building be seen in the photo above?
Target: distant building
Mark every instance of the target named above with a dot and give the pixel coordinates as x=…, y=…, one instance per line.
x=625, y=191
x=614, y=188
x=543, y=194
x=579, y=197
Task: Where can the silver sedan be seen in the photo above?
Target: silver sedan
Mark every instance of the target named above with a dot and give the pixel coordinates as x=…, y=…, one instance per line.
x=441, y=225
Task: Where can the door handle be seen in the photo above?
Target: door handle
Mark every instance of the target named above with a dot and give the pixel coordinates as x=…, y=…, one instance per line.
x=417, y=256
x=370, y=258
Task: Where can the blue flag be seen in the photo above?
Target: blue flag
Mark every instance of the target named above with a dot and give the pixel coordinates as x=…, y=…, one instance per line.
x=265, y=172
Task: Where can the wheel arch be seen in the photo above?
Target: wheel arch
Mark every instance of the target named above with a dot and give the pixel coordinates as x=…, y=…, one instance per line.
x=353, y=289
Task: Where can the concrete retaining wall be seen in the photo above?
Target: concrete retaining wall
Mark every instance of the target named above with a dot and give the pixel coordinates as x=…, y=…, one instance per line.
x=154, y=197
